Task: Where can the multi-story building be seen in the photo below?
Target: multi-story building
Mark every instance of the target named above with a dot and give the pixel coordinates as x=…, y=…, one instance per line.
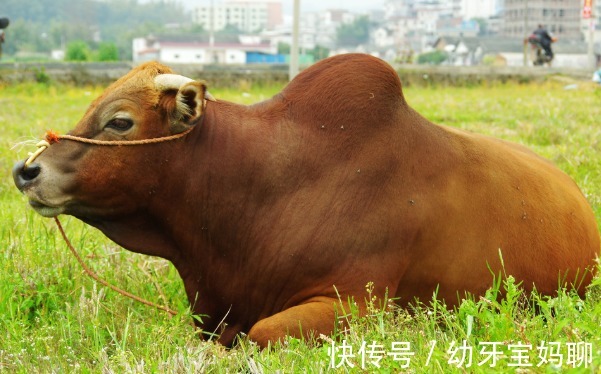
x=595, y=21
x=414, y=22
x=560, y=17
x=469, y=9
x=464, y=9
x=249, y=16
x=324, y=25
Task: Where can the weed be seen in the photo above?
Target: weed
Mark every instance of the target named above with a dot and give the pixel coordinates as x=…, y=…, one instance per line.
x=41, y=76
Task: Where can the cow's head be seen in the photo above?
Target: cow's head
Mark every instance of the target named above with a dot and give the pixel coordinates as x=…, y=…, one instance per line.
x=95, y=182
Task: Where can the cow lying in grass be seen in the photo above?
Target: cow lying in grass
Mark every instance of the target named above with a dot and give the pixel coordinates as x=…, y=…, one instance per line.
x=273, y=213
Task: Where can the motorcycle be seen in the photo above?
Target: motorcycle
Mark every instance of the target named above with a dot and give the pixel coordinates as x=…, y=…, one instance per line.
x=537, y=53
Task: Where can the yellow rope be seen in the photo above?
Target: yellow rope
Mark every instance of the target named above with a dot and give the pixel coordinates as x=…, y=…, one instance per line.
x=52, y=138
x=102, y=281
x=125, y=142
x=42, y=145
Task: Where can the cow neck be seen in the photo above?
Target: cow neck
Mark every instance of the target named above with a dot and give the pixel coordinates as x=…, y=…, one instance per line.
x=227, y=189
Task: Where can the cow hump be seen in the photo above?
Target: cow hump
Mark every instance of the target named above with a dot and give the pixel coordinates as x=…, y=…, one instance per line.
x=350, y=89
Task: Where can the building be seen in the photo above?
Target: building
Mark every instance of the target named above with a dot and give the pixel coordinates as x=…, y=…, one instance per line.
x=323, y=25
x=449, y=26
x=383, y=37
x=465, y=9
x=249, y=16
x=470, y=9
x=414, y=22
x=595, y=21
x=560, y=17
x=174, y=50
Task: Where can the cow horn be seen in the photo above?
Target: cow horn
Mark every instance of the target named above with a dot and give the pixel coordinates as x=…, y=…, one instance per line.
x=174, y=82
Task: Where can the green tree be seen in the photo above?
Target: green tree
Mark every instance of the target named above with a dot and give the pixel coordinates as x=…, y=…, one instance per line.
x=283, y=48
x=483, y=24
x=77, y=51
x=354, y=33
x=432, y=58
x=40, y=26
x=107, y=52
x=229, y=34
x=19, y=37
x=319, y=52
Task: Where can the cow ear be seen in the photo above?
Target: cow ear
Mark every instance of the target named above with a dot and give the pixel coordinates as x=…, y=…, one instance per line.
x=189, y=105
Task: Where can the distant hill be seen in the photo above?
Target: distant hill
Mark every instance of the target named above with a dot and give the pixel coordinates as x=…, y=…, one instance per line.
x=42, y=26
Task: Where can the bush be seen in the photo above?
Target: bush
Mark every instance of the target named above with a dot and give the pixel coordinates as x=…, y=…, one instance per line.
x=41, y=76
x=77, y=51
x=107, y=52
x=432, y=58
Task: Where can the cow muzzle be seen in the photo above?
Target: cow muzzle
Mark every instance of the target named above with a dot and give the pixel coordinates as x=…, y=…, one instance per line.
x=26, y=179
x=24, y=176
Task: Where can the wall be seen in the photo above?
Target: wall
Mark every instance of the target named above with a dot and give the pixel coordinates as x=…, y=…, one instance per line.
x=234, y=76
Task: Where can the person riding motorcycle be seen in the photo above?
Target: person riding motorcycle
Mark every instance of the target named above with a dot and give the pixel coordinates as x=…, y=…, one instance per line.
x=542, y=39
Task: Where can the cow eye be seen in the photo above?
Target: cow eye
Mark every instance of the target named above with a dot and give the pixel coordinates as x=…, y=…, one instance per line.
x=120, y=124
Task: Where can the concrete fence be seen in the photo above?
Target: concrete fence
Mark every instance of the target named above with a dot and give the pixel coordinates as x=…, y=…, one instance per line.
x=235, y=76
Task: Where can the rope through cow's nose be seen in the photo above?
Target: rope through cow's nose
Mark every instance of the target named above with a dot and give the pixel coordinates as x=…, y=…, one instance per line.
x=52, y=137
x=42, y=145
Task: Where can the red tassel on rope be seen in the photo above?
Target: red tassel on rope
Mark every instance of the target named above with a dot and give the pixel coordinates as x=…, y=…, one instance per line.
x=52, y=137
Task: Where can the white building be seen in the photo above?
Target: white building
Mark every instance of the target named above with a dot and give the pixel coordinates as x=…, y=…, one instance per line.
x=323, y=25
x=383, y=37
x=198, y=52
x=247, y=15
x=307, y=37
x=466, y=9
x=316, y=28
x=428, y=14
x=469, y=9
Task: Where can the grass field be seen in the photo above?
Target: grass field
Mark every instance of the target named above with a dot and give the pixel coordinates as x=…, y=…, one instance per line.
x=54, y=318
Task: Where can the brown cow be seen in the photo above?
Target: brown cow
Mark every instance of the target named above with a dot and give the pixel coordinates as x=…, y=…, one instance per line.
x=272, y=211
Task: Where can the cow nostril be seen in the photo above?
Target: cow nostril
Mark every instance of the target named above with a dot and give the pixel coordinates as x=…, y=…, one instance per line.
x=23, y=175
x=30, y=172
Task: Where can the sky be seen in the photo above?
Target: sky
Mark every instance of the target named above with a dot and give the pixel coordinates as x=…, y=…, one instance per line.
x=315, y=5
x=310, y=5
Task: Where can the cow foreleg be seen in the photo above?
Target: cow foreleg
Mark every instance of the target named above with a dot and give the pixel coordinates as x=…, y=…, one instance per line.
x=309, y=320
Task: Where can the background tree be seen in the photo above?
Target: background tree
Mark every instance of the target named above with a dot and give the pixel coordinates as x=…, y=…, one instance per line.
x=283, y=48
x=229, y=34
x=320, y=52
x=483, y=26
x=432, y=58
x=77, y=51
x=107, y=52
x=41, y=26
x=354, y=33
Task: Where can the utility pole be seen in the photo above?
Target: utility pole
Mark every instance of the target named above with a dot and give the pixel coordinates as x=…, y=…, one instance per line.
x=293, y=67
x=212, y=32
x=527, y=31
x=591, y=37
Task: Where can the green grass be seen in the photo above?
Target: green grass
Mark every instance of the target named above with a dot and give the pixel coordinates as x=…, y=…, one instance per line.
x=56, y=319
